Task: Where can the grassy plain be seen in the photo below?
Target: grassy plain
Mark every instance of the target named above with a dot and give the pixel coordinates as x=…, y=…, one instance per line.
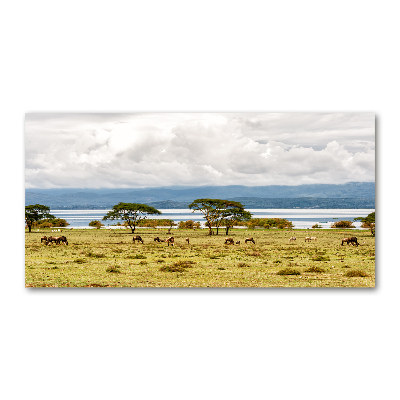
x=109, y=258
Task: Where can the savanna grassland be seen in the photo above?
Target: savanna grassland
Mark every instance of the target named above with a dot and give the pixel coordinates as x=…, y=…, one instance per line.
x=109, y=258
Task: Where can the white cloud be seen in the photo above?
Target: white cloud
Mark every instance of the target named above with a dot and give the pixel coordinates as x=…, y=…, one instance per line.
x=123, y=150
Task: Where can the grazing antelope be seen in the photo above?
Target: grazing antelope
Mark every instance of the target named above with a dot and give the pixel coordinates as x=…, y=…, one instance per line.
x=229, y=241
x=170, y=240
x=313, y=238
x=249, y=240
x=187, y=239
x=307, y=239
x=238, y=242
x=292, y=238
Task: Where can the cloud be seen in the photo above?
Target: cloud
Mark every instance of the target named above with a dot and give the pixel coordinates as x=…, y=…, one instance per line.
x=162, y=149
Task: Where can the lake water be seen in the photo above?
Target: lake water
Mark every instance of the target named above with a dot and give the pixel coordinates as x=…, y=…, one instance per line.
x=301, y=218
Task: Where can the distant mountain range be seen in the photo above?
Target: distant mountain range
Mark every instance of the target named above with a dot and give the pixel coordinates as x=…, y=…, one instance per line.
x=349, y=195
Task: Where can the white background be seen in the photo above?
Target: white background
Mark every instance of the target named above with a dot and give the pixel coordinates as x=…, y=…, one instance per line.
x=199, y=56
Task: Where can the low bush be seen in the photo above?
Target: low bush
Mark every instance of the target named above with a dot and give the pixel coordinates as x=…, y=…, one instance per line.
x=343, y=224
x=288, y=271
x=178, y=266
x=95, y=255
x=113, y=269
x=321, y=258
x=184, y=263
x=137, y=257
x=315, y=269
x=172, y=268
x=243, y=265
x=356, y=273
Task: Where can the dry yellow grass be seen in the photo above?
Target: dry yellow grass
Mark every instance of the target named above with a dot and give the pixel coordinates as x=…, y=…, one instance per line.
x=109, y=258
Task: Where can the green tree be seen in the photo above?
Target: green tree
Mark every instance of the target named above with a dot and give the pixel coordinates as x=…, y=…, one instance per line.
x=35, y=213
x=368, y=222
x=153, y=223
x=343, y=224
x=131, y=213
x=53, y=222
x=190, y=224
x=214, y=210
x=267, y=223
x=96, y=224
x=234, y=216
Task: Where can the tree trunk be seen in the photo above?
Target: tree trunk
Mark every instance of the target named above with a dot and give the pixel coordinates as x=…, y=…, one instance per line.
x=227, y=230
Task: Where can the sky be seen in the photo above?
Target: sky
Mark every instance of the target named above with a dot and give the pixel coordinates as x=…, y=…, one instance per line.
x=122, y=150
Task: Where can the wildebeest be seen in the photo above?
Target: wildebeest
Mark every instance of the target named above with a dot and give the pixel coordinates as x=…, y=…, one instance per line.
x=292, y=238
x=229, y=241
x=137, y=238
x=351, y=240
x=170, y=240
x=62, y=239
x=249, y=240
x=56, y=240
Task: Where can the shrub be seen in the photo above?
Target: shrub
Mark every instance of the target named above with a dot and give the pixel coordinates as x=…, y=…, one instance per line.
x=315, y=270
x=178, y=266
x=267, y=223
x=96, y=224
x=243, y=265
x=113, y=269
x=321, y=258
x=137, y=257
x=184, y=263
x=356, y=273
x=288, y=271
x=188, y=224
x=172, y=268
x=95, y=255
x=343, y=224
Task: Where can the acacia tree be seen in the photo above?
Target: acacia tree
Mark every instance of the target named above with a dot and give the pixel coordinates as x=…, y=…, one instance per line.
x=214, y=210
x=35, y=213
x=131, y=213
x=232, y=216
x=368, y=222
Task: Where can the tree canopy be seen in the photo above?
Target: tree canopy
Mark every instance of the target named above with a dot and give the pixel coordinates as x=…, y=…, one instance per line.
x=368, y=222
x=131, y=213
x=234, y=216
x=35, y=213
x=217, y=211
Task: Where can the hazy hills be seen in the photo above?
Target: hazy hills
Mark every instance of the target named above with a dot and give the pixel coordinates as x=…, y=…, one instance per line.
x=349, y=195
